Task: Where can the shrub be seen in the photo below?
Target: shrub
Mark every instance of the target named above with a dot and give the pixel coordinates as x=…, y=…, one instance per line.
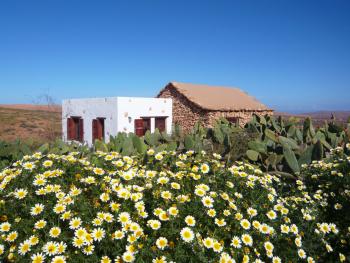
x=165, y=207
x=329, y=182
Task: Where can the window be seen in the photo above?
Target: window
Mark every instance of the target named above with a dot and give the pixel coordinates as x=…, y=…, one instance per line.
x=160, y=123
x=98, y=129
x=234, y=120
x=75, y=129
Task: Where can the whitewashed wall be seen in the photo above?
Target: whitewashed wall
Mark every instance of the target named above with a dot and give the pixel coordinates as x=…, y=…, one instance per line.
x=119, y=113
x=90, y=109
x=130, y=109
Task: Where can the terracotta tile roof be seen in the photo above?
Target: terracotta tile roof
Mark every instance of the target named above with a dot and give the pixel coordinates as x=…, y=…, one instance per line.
x=217, y=98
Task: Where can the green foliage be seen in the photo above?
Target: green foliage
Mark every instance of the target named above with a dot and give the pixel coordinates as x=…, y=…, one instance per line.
x=284, y=145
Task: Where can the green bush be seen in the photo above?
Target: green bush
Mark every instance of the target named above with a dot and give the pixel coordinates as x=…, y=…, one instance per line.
x=161, y=207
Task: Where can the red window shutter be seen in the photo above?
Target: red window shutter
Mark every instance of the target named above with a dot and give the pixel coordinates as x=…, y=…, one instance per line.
x=70, y=129
x=234, y=120
x=139, y=130
x=160, y=123
x=146, y=125
x=94, y=130
x=100, y=128
x=81, y=130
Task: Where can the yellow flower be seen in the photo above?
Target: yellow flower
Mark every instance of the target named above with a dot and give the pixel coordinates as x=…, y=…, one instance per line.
x=205, y=168
x=12, y=236
x=211, y=213
x=47, y=163
x=5, y=227
x=24, y=248
x=74, y=223
x=128, y=257
x=190, y=220
x=20, y=193
x=247, y=239
x=105, y=259
x=217, y=247
x=187, y=234
x=245, y=224
x=166, y=195
x=38, y=258
x=271, y=214
x=236, y=242
x=208, y=201
x=173, y=211
x=268, y=246
x=161, y=259
x=208, y=242
x=161, y=243
x=59, y=259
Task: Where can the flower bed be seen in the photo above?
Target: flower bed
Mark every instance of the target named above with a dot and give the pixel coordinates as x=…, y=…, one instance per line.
x=166, y=207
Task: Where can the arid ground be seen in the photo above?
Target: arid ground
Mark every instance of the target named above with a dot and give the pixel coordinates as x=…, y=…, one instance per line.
x=42, y=123
x=30, y=122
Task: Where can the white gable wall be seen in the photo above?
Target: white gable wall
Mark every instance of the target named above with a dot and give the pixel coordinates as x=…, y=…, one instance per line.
x=119, y=113
x=90, y=109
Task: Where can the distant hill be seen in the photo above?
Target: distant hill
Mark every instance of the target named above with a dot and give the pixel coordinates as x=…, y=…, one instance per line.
x=40, y=123
x=51, y=108
x=326, y=115
x=319, y=117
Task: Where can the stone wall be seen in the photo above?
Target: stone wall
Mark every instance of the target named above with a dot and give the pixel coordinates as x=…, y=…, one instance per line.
x=186, y=113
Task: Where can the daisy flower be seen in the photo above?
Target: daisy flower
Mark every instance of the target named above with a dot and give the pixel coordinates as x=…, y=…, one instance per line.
x=208, y=242
x=55, y=232
x=161, y=243
x=190, y=220
x=128, y=257
x=75, y=222
x=5, y=227
x=247, y=239
x=207, y=201
x=98, y=234
x=187, y=234
x=236, y=242
x=38, y=258
x=245, y=224
x=36, y=209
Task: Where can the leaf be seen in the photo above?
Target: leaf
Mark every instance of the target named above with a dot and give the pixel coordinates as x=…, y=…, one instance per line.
x=291, y=159
x=288, y=141
x=271, y=135
x=189, y=143
x=317, y=153
x=44, y=148
x=252, y=155
x=306, y=156
x=139, y=145
x=257, y=146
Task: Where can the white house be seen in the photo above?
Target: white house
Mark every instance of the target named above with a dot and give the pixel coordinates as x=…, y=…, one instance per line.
x=85, y=120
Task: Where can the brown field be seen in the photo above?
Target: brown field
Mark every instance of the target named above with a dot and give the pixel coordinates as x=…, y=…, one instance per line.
x=42, y=123
x=39, y=123
x=319, y=117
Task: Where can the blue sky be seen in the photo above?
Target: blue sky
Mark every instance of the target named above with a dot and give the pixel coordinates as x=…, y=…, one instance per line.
x=293, y=55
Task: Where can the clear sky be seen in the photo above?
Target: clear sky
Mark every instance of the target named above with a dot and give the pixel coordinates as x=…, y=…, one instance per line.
x=293, y=55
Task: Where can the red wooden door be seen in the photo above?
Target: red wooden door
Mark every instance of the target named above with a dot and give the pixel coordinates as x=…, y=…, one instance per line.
x=160, y=123
x=146, y=124
x=80, y=130
x=94, y=130
x=70, y=129
x=139, y=128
